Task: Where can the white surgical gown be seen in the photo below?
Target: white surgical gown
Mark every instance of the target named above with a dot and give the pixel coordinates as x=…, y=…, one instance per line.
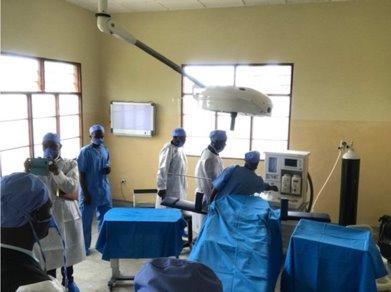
x=67, y=216
x=210, y=165
x=172, y=161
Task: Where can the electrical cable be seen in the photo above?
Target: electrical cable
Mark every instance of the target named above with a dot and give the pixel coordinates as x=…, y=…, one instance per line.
x=327, y=180
x=311, y=193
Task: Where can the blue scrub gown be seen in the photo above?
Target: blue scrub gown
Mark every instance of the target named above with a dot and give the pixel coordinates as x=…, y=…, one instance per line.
x=238, y=180
x=93, y=161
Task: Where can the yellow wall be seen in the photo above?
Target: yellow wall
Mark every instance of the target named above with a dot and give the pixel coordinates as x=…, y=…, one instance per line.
x=56, y=29
x=342, y=58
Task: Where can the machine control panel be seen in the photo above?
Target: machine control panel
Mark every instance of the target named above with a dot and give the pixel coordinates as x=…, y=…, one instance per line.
x=287, y=171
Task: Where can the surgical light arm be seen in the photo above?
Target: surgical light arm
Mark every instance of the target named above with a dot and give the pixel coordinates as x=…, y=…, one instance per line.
x=106, y=25
x=228, y=99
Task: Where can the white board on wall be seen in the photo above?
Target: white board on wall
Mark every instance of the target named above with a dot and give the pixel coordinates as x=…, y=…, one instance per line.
x=132, y=118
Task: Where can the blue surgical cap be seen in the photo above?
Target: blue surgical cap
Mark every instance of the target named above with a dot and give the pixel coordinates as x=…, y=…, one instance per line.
x=252, y=157
x=21, y=194
x=218, y=135
x=51, y=137
x=178, y=132
x=167, y=274
x=95, y=128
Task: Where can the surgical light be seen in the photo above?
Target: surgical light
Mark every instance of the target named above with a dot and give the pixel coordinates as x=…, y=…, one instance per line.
x=228, y=99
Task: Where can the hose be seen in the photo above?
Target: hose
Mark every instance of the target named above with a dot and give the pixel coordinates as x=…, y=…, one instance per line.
x=311, y=193
x=327, y=180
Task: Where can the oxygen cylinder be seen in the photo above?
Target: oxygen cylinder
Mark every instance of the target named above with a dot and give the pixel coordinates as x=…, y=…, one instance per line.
x=349, y=188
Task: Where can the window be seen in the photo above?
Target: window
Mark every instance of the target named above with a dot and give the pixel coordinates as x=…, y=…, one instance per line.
x=251, y=133
x=37, y=96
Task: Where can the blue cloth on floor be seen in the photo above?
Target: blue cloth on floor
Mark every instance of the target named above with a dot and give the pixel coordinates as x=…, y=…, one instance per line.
x=327, y=257
x=141, y=233
x=176, y=275
x=241, y=242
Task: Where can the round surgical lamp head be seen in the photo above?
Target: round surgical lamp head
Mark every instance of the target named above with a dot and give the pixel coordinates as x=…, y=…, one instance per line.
x=234, y=100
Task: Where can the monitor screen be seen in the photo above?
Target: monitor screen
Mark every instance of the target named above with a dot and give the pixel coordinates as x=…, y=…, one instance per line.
x=272, y=166
x=291, y=162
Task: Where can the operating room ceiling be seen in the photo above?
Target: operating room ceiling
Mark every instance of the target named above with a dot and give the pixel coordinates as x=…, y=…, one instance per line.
x=122, y=6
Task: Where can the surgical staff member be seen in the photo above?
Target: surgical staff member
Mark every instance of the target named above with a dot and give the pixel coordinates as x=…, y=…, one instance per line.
x=94, y=166
x=172, y=167
x=25, y=217
x=63, y=186
x=239, y=180
x=210, y=165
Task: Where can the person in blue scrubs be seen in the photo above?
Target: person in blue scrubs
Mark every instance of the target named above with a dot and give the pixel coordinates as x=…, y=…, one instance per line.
x=94, y=166
x=239, y=180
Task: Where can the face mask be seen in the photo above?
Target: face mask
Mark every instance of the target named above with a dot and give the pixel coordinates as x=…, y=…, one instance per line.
x=218, y=146
x=251, y=166
x=97, y=141
x=49, y=153
x=178, y=142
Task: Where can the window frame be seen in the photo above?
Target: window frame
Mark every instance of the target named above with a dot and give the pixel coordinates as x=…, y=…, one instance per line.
x=57, y=116
x=235, y=65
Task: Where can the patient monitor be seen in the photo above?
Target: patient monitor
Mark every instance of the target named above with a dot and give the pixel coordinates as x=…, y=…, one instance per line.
x=288, y=171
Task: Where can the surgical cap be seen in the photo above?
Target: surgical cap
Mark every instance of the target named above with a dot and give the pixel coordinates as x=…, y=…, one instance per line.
x=218, y=135
x=51, y=137
x=95, y=128
x=174, y=275
x=21, y=194
x=178, y=132
x=252, y=157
